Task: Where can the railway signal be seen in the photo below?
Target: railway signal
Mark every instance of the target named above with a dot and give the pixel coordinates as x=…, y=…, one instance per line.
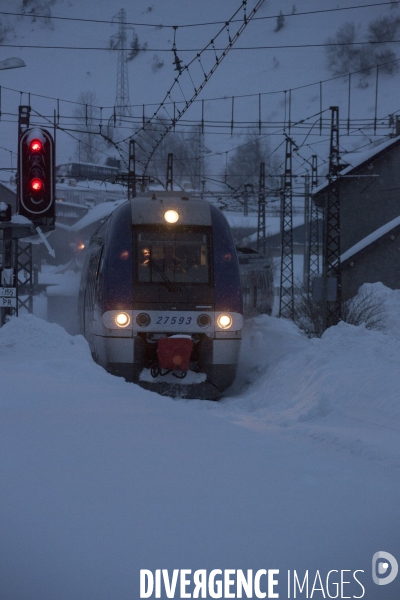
x=36, y=182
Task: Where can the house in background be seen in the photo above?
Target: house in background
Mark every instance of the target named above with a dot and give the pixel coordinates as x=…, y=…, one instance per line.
x=369, y=193
x=9, y=196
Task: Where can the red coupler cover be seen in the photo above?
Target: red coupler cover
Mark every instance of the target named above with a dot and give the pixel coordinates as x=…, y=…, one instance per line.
x=174, y=353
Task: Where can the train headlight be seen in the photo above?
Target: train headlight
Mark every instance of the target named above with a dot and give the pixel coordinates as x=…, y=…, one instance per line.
x=171, y=216
x=203, y=320
x=143, y=319
x=122, y=319
x=224, y=321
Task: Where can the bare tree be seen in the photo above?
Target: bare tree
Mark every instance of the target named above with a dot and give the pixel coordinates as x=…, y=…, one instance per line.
x=343, y=57
x=243, y=166
x=187, y=148
x=383, y=29
x=90, y=143
x=193, y=156
x=5, y=28
x=365, y=308
x=340, y=53
x=39, y=10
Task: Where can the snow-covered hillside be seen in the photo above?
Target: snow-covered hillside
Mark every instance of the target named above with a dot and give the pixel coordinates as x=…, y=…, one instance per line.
x=287, y=61
x=296, y=468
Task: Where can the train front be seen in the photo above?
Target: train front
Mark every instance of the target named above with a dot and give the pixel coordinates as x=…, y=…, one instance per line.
x=186, y=315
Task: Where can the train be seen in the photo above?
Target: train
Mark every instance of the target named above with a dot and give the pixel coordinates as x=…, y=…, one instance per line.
x=80, y=171
x=256, y=280
x=160, y=301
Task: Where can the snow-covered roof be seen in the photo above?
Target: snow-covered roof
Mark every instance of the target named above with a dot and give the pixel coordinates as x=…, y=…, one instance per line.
x=101, y=211
x=273, y=226
x=357, y=158
x=369, y=239
x=102, y=186
x=9, y=186
x=86, y=164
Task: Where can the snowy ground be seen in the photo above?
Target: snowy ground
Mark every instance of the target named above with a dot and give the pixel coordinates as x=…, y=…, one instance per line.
x=297, y=468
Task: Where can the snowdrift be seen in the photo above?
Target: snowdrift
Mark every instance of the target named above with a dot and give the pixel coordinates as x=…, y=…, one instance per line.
x=297, y=468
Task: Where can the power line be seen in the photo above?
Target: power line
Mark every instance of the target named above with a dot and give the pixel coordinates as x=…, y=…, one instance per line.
x=215, y=99
x=185, y=25
x=206, y=73
x=212, y=49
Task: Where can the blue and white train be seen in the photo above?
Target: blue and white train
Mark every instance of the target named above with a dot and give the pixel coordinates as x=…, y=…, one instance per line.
x=161, y=300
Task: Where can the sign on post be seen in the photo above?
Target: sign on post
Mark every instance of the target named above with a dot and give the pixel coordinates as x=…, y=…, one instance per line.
x=8, y=297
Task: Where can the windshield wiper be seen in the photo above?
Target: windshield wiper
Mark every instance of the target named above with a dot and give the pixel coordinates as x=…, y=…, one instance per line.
x=160, y=272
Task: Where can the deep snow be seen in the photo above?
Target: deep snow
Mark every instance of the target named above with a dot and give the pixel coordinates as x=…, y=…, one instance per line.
x=296, y=468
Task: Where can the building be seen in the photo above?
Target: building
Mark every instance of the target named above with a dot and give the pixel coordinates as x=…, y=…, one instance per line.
x=369, y=193
x=8, y=195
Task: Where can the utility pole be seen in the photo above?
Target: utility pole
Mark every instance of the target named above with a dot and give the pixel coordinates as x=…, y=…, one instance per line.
x=314, y=224
x=170, y=172
x=331, y=270
x=23, y=251
x=261, y=235
x=286, y=296
x=245, y=201
x=307, y=227
x=201, y=161
x=132, y=170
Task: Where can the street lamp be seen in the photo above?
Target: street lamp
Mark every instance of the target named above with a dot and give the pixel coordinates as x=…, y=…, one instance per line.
x=11, y=63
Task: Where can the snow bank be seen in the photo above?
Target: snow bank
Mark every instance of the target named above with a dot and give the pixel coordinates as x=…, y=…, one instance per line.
x=294, y=470
x=342, y=388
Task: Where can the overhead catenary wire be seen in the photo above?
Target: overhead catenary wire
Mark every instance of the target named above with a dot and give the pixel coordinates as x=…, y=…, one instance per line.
x=214, y=99
x=201, y=50
x=206, y=73
x=203, y=24
x=352, y=132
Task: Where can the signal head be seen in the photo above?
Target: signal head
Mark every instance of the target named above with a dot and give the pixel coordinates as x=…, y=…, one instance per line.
x=36, y=185
x=35, y=146
x=36, y=159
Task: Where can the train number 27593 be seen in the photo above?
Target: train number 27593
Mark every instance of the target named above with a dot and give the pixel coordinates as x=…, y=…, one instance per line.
x=164, y=320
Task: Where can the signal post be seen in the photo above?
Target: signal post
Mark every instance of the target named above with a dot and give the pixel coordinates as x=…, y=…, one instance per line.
x=36, y=206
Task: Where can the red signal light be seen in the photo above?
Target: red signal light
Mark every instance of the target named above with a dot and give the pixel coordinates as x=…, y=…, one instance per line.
x=35, y=146
x=36, y=185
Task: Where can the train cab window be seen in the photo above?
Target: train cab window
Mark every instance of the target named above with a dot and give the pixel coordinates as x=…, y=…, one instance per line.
x=177, y=257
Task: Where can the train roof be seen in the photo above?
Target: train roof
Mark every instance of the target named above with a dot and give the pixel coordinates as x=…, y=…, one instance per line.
x=150, y=208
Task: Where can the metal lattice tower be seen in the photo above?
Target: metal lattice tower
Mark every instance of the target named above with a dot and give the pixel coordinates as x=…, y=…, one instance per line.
x=314, y=232
x=261, y=236
x=286, y=296
x=25, y=275
x=332, y=274
x=122, y=102
x=307, y=228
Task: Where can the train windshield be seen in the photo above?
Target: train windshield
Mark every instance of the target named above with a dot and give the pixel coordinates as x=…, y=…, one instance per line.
x=180, y=256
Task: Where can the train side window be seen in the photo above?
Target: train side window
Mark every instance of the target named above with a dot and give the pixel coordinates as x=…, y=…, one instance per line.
x=92, y=274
